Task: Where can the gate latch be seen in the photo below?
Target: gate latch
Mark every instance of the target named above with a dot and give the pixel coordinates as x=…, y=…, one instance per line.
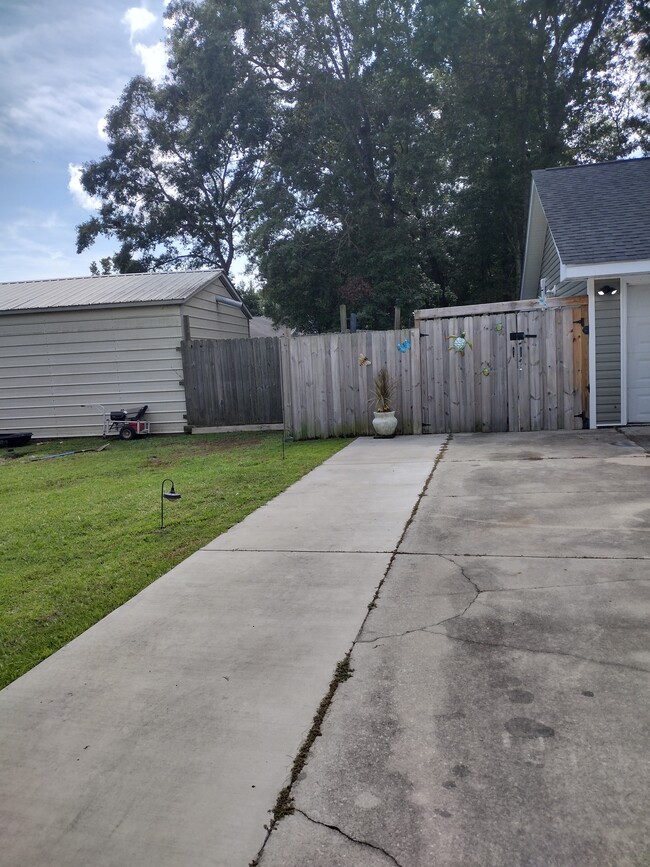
x=520, y=335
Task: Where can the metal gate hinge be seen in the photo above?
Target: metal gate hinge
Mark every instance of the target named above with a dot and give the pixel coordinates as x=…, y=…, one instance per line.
x=581, y=321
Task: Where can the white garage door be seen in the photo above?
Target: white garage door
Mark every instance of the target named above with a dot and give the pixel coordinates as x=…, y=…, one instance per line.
x=638, y=354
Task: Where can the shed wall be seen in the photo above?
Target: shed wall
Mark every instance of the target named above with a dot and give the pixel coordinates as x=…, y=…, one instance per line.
x=608, y=359
x=54, y=365
x=209, y=319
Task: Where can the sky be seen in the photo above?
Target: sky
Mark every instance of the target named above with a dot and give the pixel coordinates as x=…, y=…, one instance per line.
x=63, y=64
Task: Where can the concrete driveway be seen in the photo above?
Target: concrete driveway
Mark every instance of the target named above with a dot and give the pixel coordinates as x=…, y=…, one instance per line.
x=162, y=736
x=499, y=705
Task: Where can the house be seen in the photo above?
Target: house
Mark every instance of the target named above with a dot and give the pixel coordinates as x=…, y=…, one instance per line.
x=589, y=234
x=68, y=344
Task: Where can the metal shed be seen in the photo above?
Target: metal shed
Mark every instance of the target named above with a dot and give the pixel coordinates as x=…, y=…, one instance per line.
x=69, y=343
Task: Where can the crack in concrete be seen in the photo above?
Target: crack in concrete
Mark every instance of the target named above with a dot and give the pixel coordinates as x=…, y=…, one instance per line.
x=338, y=830
x=286, y=793
x=461, y=568
x=477, y=591
x=523, y=649
x=426, y=628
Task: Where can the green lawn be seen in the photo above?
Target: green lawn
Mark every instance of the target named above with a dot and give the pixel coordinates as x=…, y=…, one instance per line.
x=79, y=535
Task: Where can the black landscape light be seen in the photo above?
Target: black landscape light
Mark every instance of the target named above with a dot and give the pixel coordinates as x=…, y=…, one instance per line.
x=166, y=495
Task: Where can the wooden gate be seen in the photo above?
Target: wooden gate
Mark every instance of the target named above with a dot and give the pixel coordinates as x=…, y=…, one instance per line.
x=232, y=382
x=525, y=367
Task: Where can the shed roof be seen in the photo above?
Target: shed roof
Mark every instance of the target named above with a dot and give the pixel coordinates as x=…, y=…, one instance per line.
x=598, y=213
x=110, y=291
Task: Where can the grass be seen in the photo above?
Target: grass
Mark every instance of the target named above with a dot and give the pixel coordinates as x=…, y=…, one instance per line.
x=79, y=535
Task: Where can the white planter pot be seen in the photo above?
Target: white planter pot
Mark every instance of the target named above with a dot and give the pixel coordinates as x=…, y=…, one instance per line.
x=385, y=424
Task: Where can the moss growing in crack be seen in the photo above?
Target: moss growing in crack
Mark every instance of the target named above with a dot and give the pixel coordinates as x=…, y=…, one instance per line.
x=284, y=805
x=343, y=671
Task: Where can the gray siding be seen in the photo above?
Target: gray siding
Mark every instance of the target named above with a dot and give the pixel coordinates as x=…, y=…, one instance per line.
x=550, y=261
x=572, y=287
x=608, y=359
x=550, y=269
x=54, y=364
x=208, y=319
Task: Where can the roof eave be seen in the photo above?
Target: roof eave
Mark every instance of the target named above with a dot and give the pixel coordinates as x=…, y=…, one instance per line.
x=227, y=282
x=106, y=306
x=604, y=269
x=534, y=249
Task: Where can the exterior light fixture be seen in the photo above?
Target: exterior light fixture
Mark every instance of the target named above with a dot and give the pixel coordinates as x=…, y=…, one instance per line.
x=607, y=290
x=166, y=495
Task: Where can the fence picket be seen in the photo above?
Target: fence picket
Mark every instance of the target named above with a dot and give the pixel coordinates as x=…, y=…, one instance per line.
x=532, y=382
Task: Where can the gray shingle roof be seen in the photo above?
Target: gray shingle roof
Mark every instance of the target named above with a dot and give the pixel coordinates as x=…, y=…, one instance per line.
x=598, y=213
x=114, y=290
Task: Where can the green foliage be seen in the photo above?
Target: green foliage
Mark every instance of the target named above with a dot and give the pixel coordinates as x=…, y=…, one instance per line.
x=184, y=156
x=83, y=532
x=373, y=142
x=524, y=85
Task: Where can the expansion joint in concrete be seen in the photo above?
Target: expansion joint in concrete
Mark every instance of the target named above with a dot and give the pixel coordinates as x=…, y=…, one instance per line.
x=518, y=556
x=338, y=830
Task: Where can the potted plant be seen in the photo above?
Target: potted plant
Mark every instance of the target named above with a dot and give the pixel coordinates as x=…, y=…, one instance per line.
x=384, y=421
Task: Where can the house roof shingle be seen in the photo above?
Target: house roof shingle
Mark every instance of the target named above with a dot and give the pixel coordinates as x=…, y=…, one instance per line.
x=113, y=290
x=598, y=213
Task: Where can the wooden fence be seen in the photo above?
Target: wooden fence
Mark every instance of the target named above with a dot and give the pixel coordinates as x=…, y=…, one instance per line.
x=527, y=368
x=524, y=368
x=232, y=382
x=327, y=392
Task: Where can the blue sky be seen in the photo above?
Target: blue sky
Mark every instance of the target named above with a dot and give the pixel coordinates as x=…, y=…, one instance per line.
x=62, y=66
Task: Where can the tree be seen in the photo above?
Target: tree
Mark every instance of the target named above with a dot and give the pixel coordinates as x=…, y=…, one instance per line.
x=184, y=157
x=350, y=187
x=524, y=85
x=378, y=143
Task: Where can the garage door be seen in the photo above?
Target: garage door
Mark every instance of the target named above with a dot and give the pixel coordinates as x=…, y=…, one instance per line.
x=638, y=354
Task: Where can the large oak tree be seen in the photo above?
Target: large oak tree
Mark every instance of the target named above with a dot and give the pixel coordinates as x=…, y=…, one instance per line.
x=369, y=151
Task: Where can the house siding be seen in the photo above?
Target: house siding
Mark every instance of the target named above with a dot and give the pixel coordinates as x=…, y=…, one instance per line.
x=53, y=365
x=572, y=287
x=209, y=319
x=608, y=359
x=550, y=261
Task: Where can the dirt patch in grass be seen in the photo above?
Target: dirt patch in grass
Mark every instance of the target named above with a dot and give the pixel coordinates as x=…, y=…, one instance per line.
x=229, y=442
x=155, y=461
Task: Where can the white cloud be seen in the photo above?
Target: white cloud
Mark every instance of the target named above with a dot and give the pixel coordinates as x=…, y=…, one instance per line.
x=40, y=244
x=81, y=197
x=101, y=129
x=137, y=18
x=154, y=60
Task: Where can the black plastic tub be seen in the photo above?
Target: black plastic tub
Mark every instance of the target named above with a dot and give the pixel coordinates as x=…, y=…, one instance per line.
x=14, y=439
